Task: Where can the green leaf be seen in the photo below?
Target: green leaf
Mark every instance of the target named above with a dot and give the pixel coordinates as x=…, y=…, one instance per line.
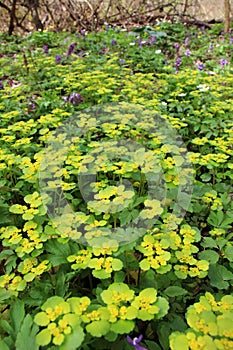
x=41, y=319
x=209, y=255
x=59, y=252
x=144, y=265
x=178, y=341
x=205, y=177
x=163, y=306
x=5, y=294
x=117, y=265
x=122, y=326
x=209, y=242
x=111, y=336
x=17, y=209
x=174, y=291
x=6, y=327
x=27, y=335
x=101, y=274
x=73, y=340
x=44, y=337
x=152, y=345
x=98, y=328
x=219, y=275
x=52, y=302
x=17, y=314
x=3, y=345
x=229, y=253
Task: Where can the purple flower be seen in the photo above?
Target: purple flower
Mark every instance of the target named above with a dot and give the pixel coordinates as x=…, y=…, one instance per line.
x=211, y=47
x=186, y=41
x=113, y=42
x=152, y=39
x=1, y=85
x=200, y=66
x=178, y=63
x=58, y=59
x=71, y=49
x=223, y=62
x=231, y=40
x=46, y=49
x=122, y=61
x=176, y=46
x=74, y=98
x=83, y=33
x=135, y=342
x=187, y=52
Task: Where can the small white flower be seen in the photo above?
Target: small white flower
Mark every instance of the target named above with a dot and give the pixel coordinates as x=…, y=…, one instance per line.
x=158, y=52
x=182, y=94
x=131, y=44
x=203, y=87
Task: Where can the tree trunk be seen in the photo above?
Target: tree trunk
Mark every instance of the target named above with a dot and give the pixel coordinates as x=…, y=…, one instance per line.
x=227, y=8
x=12, y=18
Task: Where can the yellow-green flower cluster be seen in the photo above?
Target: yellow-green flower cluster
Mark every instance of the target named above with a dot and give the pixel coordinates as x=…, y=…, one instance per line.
x=61, y=319
x=210, y=323
x=163, y=251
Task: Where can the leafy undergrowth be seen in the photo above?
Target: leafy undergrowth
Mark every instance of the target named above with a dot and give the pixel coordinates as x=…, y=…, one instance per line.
x=116, y=214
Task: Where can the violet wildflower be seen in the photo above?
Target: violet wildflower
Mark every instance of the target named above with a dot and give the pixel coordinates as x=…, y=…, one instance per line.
x=135, y=342
x=178, y=63
x=186, y=41
x=223, y=62
x=1, y=85
x=71, y=49
x=122, y=61
x=46, y=49
x=113, y=42
x=200, y=66
x=176, y=46
x=83, y=33
x=152, y=39
x=58, y=59
x=187, y=52
x=211, y=47
x=231, y=40
x=75, y=98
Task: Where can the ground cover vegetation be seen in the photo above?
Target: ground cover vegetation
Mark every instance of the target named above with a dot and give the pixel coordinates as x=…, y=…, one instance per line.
x=92, y=276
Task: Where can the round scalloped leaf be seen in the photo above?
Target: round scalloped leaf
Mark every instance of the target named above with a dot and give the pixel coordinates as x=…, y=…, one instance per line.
x=43, y=338
x=98, y=328
x=55, y=301
x=131, y=313
x=178, y=341
x=122, y=326
x=73, y=340
x=149, y=293
x=117, y=265
x=72, y=319
x=41, y=319
x=144, y=265
x=17, y=209
x=144, y=315
x=163, y=306
x=101, y=274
